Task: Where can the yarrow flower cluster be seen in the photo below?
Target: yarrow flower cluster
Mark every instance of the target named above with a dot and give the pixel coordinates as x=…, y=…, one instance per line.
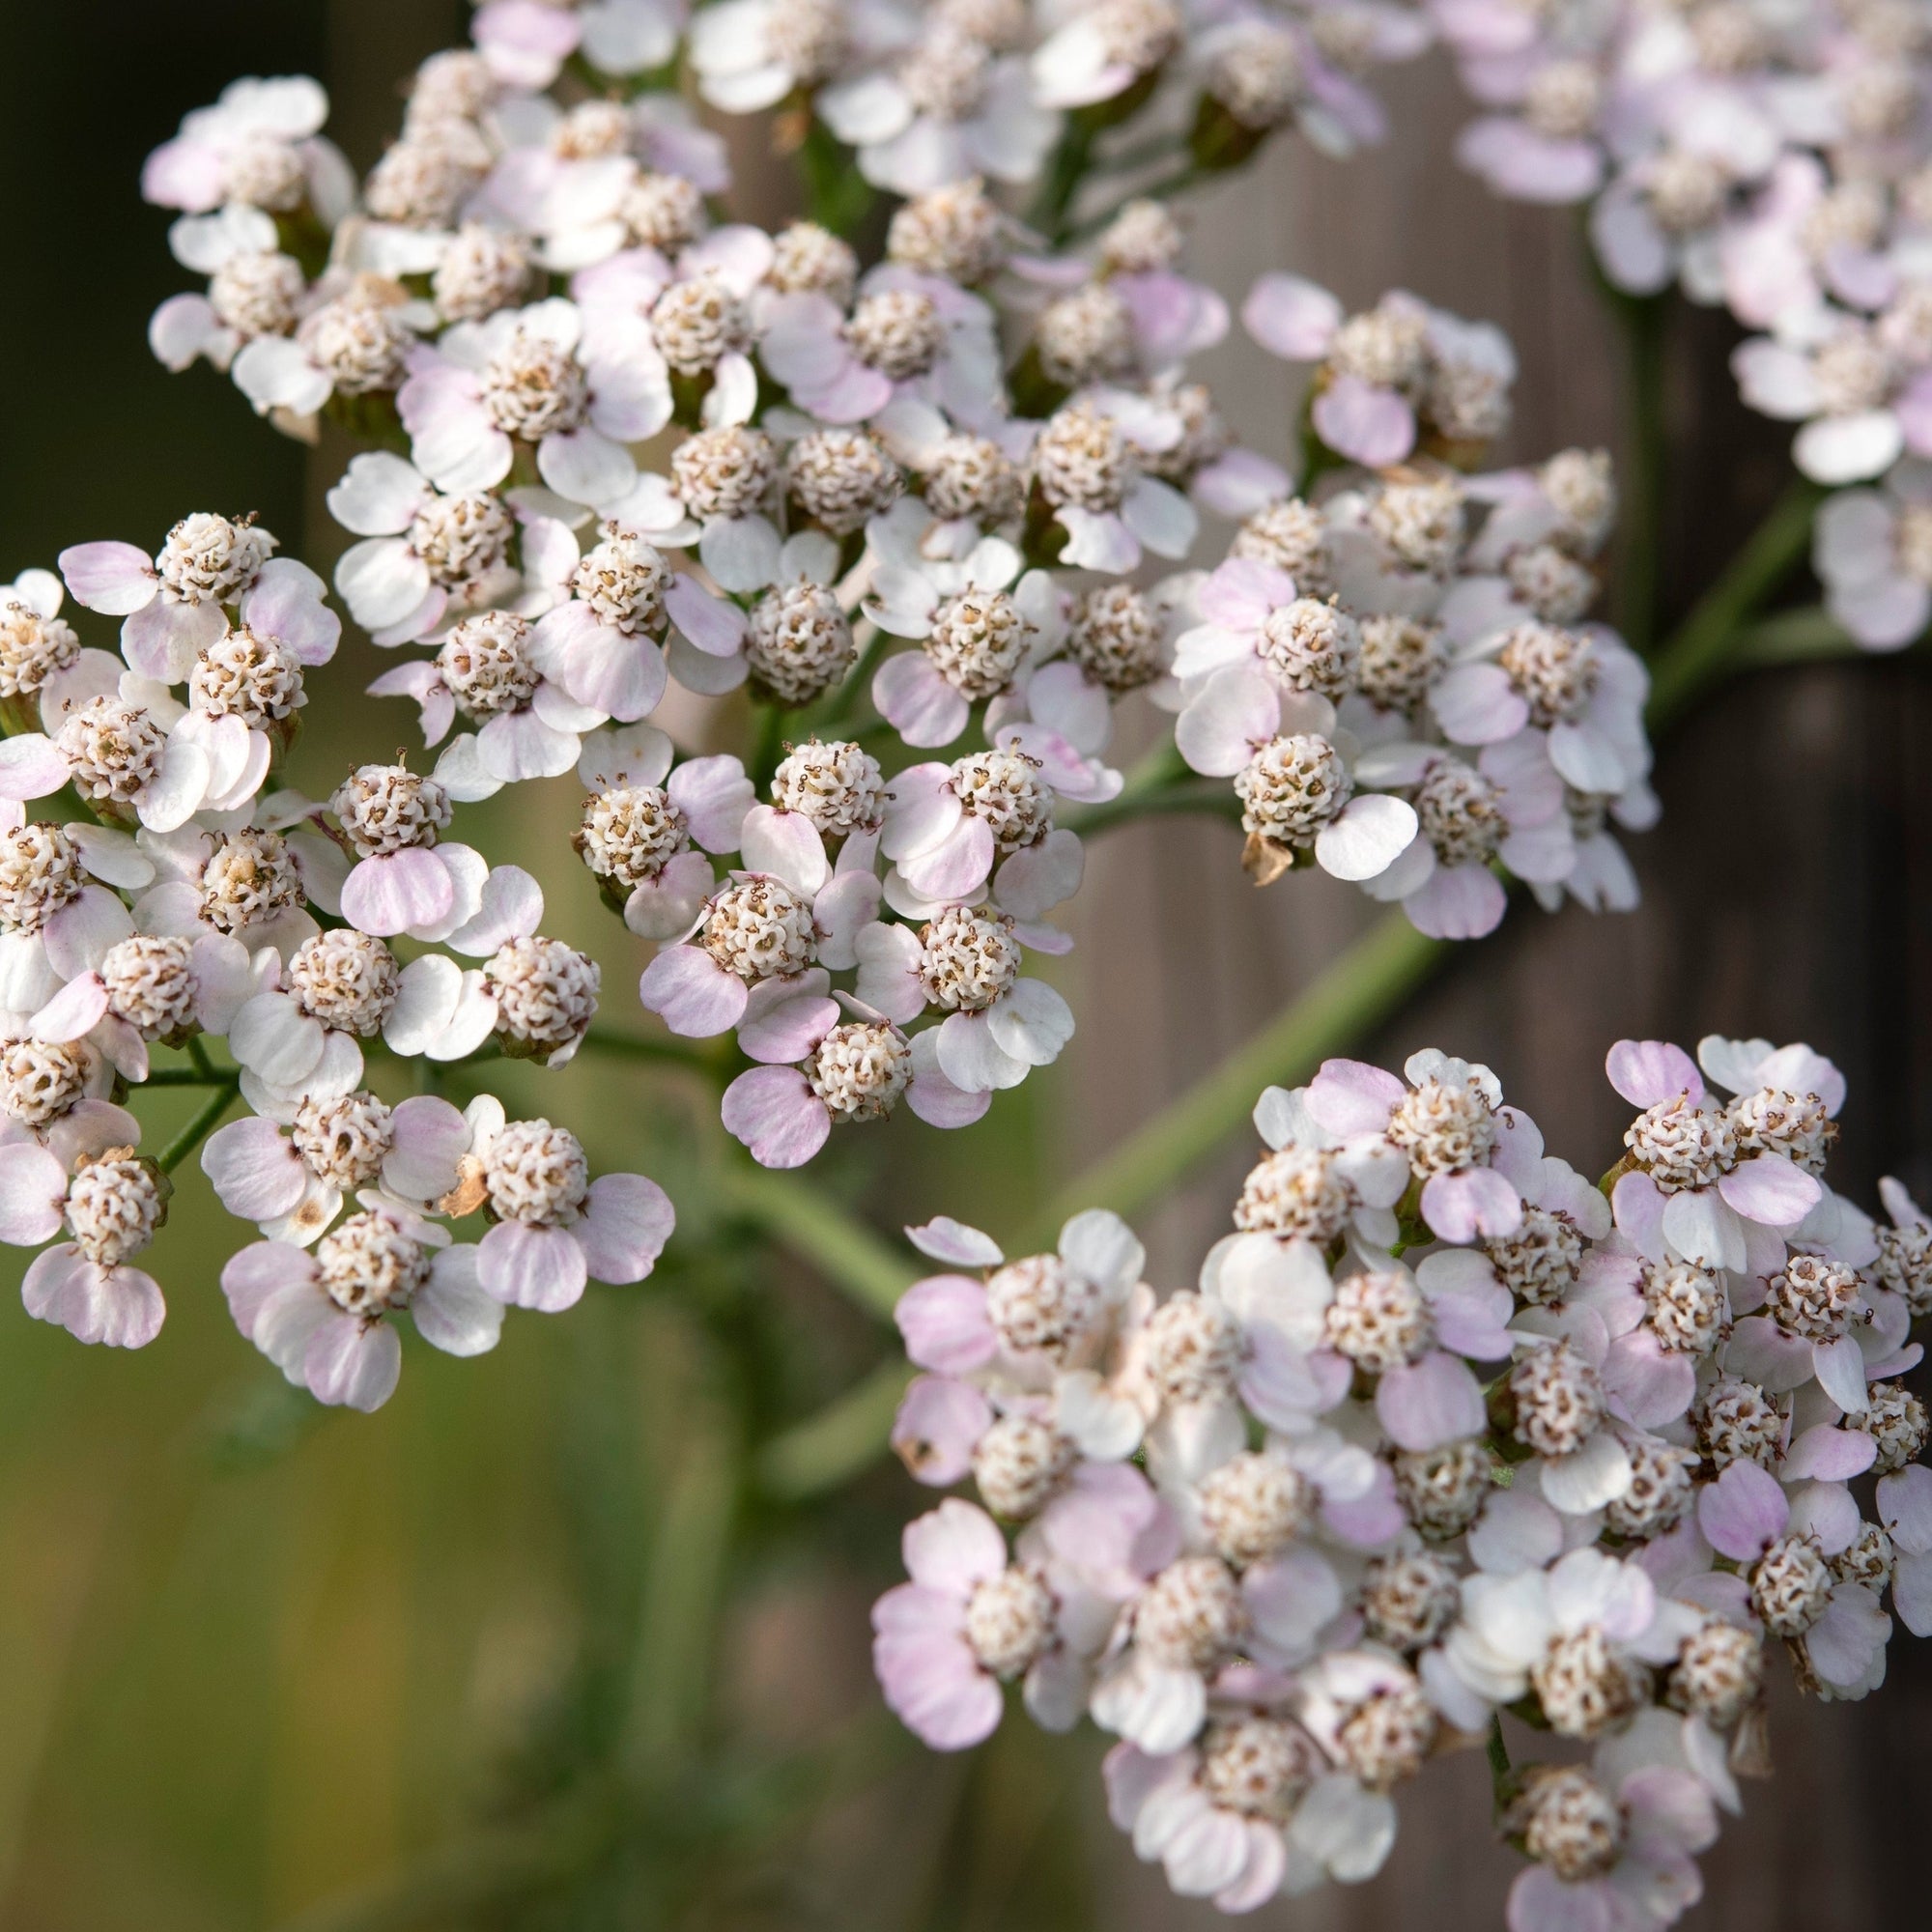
x=200, y=901
x=1444, y=1430
x=1776, y=163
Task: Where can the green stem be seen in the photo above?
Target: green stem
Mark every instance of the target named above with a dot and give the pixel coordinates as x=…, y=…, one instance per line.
x=858, y=1261
x=1164, y=189
x=1703, y=644
x=1354, y=995
x=1807, y=636
x=197, y=1129
x=1063, y=175
x=826, y=1449
x=1499, y=1763
x=768, y=724
x=670, y=1051
x=1211, y=796
x=182, y=1076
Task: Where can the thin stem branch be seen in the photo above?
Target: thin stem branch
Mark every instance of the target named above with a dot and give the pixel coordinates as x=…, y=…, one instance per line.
x=197, y=1129
x=1499, y=1762
x=1353, y=995
x=1703, y=644
x=831, y=1446
x=860, y=1264
x=670, y=1051
x=1642, y=320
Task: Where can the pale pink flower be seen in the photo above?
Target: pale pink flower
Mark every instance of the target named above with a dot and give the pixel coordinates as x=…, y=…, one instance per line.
x=292, y=1188
x=556, y=1227
x=1472, y=1153
x=1745, y=1515
x=543, y=377
x=324, y=1317
x=967, y=1622
x=173, y=604
x=260, y=144
x=1872, y=549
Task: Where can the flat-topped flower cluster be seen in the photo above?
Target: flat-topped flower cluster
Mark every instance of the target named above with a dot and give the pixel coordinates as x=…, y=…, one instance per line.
x=185, y=899
x=1446, y=1431
x=1775, y=161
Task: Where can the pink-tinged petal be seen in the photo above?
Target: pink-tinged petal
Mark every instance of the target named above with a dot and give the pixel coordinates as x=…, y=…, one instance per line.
x=531, y=1267
x=713, y=794
x=1456, y=902
x=938, y=1427
x=945, y=1239
x=1424, y=1405
x=1829, y=1454
x=78, y=936
x=1905, y=1508
x=32, y=1185
x=691, y=992
x=30, y=767
x=1240, y=592
x=429, y=1138
x=1761, y=1352
x=945, y=1324
x=785, y=844
x=517, y=745
x=1647, y=1384
x=1371, y=1520
x=953, y=1547
x=850, y=395
x=509, y=905
x=1702, y=1227
x=286, y=602
x=1840, y=1368
x=623, y=1227
x=393, y=891
x=1771, y=1189
x=955, y=869
x=256, y=1174
x=1844, y=1643
x=114, y=578
x=162, y=639
x=1637, y=1203
x=1372, y=833
x=921, y=811
x=1373, y=426
x=841, y=912
x=1098, y=541
x=1349, y=1096
x=1539, y=1901
x=113, y=1308
x=938, y=1691
x=353, y=1365
x=1741, y=1511
x=707, y=623
x=256, y=1274
x=1911, y=1593
x=1460, y=1206
x=73, y=1012
x=784, y=1019
x=918, y=703
x=934, y=1097
x=1234, y=713
x=775, y=1112
x=1477, y=704
x=1290, y=316
x=666, y=909
x=1646, y=1071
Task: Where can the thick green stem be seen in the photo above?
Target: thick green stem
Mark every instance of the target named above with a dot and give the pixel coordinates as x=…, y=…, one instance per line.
x=802, y=1217
x=1354, y=994
x=1705, y=643
x=203, y=1123
x=1064, y=173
